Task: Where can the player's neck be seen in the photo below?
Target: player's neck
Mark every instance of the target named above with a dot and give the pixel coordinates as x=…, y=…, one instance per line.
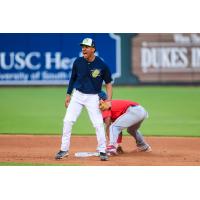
x=91, y=58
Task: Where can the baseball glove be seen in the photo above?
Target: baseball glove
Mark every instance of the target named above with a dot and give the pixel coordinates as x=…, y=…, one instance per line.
x=104, y=105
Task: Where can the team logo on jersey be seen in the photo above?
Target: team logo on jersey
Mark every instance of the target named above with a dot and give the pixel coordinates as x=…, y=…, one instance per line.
x=95, y=73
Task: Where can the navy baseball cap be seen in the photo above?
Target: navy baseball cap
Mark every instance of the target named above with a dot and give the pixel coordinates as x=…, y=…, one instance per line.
x=102, y=95
x=88, y=42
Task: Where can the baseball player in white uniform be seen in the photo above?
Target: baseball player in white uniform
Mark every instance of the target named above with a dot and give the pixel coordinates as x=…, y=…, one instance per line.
x=88, y=74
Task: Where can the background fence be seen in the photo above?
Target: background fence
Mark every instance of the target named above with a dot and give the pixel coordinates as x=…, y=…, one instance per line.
x=46, y=59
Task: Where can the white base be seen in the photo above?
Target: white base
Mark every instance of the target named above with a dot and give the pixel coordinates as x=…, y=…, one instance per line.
x=86, y=154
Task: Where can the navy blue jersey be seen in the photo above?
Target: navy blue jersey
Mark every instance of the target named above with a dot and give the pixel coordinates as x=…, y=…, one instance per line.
x=87, y=77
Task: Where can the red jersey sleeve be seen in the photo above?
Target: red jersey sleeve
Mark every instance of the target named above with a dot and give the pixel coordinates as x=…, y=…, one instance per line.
x=106, y=113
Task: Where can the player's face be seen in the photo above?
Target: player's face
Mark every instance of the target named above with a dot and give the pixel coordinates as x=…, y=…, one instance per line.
x=88, y=52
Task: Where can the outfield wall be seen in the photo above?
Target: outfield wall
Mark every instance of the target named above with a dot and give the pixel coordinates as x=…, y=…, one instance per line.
x=166, y=58
x=46, y=59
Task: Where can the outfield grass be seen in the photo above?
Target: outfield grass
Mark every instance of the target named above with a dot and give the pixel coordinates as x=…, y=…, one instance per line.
x=173, y=111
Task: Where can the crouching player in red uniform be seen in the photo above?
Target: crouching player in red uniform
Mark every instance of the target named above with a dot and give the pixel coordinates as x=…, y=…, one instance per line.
x=124, y=114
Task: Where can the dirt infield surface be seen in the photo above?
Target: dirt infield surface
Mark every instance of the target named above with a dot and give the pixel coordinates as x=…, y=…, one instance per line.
x=167, y=151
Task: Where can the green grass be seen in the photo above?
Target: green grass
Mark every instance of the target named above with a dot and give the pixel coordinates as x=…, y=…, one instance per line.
x=33, y=164
x=173, y=111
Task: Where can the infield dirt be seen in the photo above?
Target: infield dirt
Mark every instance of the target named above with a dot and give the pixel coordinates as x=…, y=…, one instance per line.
x=167, y=151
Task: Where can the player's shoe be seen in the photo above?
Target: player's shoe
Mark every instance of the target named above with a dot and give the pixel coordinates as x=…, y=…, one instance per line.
x=120, y=150
x=111, y=150
x=144, y=148
x=61, y=154
x=103, y=156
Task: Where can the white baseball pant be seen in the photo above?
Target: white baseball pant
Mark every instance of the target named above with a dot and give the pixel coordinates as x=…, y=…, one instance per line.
x=132, y=116
x=91, y=102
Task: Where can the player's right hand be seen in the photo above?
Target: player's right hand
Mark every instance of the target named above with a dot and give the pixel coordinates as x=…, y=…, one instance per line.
x=104, y=105
x=67, y=100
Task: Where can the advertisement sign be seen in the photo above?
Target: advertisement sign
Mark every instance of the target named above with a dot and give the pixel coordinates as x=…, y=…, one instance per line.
x=47, y=59
x=167, y=57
